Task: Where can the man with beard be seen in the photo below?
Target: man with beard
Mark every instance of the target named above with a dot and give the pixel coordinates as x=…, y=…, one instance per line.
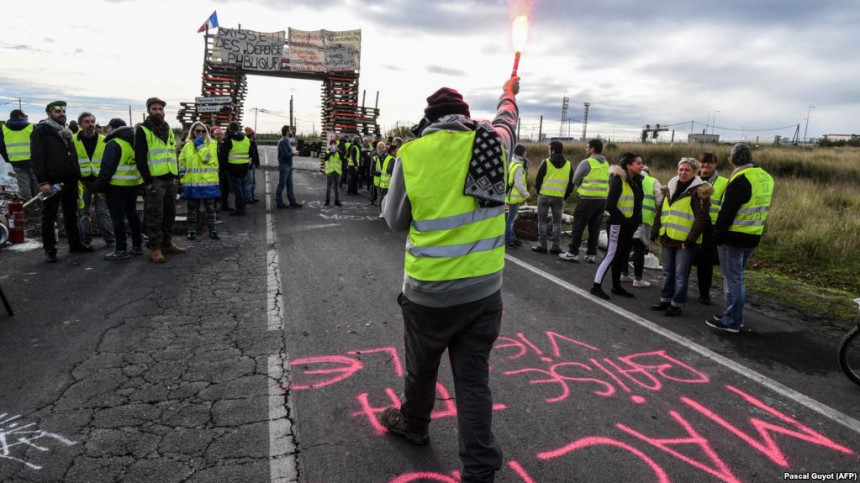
x=155, y=156
x=55, y=163
x=235, y=154
x=15, y=148
x=90, y=147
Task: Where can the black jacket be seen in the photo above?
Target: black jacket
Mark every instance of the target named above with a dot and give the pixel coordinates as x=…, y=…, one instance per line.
x=736, y=194
x=557, y=161
x=141, y=149
x=233, y=170
x=53, y=155
x=616, y=217
x=255, y=154
x=111, y=157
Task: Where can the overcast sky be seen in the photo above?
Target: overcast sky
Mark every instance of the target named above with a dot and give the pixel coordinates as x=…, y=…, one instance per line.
x=753, y=65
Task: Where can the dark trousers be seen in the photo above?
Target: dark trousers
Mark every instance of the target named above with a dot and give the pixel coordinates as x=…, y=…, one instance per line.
x=160, y=212
x=588, y=213
x=122, y=204
x=468, y=332
x=68, y=197
x=332, y=180
x=374, y=193
x=193, y=206
x=237, y=186
x=352, y=188
x=224, y=185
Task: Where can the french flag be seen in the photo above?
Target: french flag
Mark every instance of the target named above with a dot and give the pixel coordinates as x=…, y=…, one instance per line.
x=212, y=22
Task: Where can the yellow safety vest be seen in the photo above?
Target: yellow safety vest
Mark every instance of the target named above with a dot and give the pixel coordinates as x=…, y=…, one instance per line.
x=160, y=157
x=198, y=173
x=377, y=163
x=626, y=202
x=385, y=178
x=676, y=219
x=556, y=179
x=451, y=236
x=333, y=164
x=649, y=202
x=752, y=215
x=717, y=197
x=596, y=182
x=514, y=197
x=89, y=166
x=240, y=152
x=17, y=143
x=126, y=171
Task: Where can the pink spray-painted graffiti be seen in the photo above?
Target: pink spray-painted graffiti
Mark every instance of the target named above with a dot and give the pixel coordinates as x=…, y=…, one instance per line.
x=559, y=369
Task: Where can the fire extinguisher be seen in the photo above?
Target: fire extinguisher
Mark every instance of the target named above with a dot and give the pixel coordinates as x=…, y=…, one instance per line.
x=16, y=222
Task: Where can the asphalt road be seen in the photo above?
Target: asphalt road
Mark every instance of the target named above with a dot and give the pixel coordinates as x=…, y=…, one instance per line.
x=269, y=354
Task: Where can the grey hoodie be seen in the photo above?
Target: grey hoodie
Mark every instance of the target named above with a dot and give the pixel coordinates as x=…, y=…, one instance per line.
x=582, y=170
x=397, y=211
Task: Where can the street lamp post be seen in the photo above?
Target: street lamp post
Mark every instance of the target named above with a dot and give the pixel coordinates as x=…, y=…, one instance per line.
x=808, y=110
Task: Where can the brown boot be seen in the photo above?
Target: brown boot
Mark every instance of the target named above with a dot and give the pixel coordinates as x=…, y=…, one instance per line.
x=157, y=256
x=174, y=249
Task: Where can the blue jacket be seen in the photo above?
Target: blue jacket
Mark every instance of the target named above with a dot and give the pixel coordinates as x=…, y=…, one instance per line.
x=285, y=152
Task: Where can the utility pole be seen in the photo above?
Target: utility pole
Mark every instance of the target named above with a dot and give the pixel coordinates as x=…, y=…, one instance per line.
x=519, y=121
x=19, y=104
x=811, y=107
x=585, y=120
x=714, y=125
x=691, y=127
x=564, y=103
x=292, y=120
x=129, y=115
x=255, y=119
x=540, y=129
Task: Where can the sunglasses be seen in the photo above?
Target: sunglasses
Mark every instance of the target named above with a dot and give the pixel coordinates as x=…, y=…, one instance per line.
x=200, y=131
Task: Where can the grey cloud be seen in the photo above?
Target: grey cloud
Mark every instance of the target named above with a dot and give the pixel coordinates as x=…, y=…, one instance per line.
x=438, y=69
x=49, y=40
x=392, y=67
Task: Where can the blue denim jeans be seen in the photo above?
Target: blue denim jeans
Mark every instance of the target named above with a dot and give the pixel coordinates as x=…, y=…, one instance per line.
x=237, y=186
x=250, y=183
x=513, y=211
x=733, y=261
x=676, y=274
x=285, y=180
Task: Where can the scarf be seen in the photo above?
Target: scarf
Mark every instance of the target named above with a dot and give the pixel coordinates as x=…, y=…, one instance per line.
x=61, y=130
x=485, y=179
x=161, y=130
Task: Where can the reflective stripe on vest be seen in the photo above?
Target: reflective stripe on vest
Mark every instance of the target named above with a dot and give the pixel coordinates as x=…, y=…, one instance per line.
x=160, y=157
x=198, y=173
x=240, y=152
x=752, y=215
x=126, y=170
x=676, y=219
x=626, y=201
x=514, y=197
x=17, y=143
x=333, y=163
x=649, y=202
x=451, y=237
x=89, y=166
x=385, y=178
x=717, y=197
x=596, y=182
x=556, y=179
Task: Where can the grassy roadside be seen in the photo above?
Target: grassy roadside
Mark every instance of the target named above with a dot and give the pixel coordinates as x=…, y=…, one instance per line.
x=809, y=258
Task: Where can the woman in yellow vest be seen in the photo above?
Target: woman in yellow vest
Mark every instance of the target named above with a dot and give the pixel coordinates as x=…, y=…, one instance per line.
x=333, y=171
x=624, y=205
x=376, y=159
x=118, y=182
x=706, y=256
x=199, y=156
x=680, y=223
x=642, y=238
x=517, y=193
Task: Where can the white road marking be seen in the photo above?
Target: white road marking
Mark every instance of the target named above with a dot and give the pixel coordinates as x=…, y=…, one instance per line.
x=282, y=449
x=767, y=382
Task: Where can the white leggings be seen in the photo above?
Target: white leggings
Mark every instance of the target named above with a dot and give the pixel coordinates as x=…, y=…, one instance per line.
x=614, y=230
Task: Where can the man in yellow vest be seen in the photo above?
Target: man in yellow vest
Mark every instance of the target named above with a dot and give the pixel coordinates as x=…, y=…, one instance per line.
x=117, y=183
x=90, y=146
x=448, y=190
x=15, y=149
x=517, y=194
x=554, y=184
x=333, y=171
x=706, y=255
x=591, y=180
x=235, y=153
x=737, y=232
x=376, y=158
x=155, y=156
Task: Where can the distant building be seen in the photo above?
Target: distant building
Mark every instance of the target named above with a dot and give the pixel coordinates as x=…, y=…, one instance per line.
x=840, y=137
x=703, y=138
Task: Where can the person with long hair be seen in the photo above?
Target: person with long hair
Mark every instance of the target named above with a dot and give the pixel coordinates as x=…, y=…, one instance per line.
x=200, y=182
x=624, y=205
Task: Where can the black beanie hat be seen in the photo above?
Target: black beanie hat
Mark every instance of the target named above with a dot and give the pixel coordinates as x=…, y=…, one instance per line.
x=445, y=101
x=116, y=123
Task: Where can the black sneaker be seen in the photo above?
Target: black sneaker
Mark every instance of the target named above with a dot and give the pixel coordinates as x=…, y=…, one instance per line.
x=393, y=422
x=720, y=326
x=337, y=203
x=191, y=236
x=281, y=205
x=326, y=203
x=82, y=249
x=597, y=291
x=661, y=306
x=214, y=235
x=555, y=251
x=51, y=257
x=672, y=311
x=620, y=291
x=705, y=300
x=511, y=245
x=518, y=243
x=539, y=249
x=296, y=205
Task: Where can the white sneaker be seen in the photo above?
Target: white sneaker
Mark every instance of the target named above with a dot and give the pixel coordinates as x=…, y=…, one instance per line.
x=591, y=258
x=641, y=283
x=626, y=278
x=567, y=256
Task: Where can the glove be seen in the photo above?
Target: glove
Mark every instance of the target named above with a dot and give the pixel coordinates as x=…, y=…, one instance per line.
x=198, y=142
